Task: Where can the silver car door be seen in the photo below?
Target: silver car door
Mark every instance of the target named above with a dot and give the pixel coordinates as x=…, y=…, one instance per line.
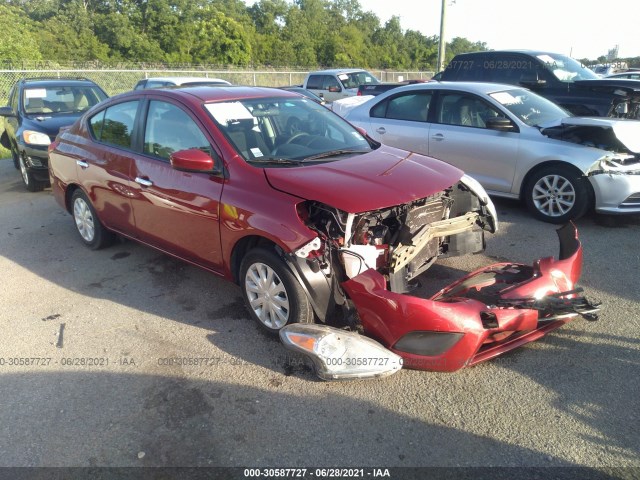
x=401, y=121
x=459, y=136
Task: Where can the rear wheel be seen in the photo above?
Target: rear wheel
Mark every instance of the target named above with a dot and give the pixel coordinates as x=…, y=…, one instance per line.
x=557, y=194
x=27, y=177
x=271, y=292
x=92, y=232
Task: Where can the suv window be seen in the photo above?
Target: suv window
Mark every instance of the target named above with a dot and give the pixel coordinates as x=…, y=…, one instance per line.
x=169, y=129
x=315, y=82
x=114, y=125
x=412, y=106
x=464, y=68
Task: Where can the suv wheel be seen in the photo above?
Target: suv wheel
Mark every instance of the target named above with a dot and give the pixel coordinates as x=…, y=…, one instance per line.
x=557, y=194
x=272, y=294
x=15, y=157
x=92, y=232
x=27, y=177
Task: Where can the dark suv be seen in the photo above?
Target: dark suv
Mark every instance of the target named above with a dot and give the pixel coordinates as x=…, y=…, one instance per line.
x=559, y=78
x=37, y=108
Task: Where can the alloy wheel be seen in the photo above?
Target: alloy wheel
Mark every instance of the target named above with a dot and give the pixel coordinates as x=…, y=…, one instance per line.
x=554, y=195
x=84, y=219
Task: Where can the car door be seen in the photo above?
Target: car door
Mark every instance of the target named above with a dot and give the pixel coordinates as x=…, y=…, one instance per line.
x=459, y=136
x=103, y=167
x=175, y=211
x=401, y=121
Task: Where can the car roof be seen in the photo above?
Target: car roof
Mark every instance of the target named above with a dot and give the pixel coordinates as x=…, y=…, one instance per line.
x=204, y=93
x=183, y=80
x=481, y=88
x=44, y=82
x=534, y=53
x=336, y=71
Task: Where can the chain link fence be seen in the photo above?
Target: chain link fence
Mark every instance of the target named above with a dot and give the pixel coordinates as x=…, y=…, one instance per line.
x=119, y=80
x=115, y=81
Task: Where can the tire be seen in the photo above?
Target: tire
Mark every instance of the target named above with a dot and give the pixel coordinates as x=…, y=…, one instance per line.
x=30, y=183
x=91, y=231
x=557, y=194
x=271, y=293
x=16, y=158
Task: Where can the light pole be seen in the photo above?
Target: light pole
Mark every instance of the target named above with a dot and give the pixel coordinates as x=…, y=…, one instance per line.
x=442, y=42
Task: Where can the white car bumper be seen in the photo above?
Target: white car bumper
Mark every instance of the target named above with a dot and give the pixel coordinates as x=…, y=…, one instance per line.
x=616, y=193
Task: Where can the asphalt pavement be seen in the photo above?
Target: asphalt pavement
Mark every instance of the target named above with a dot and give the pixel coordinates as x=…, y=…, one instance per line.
x=85, y=379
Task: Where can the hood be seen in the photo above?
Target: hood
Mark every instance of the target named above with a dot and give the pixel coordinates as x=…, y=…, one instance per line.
x=48, y=124
x=382, y=178
x=625, y=132
x=616, y=86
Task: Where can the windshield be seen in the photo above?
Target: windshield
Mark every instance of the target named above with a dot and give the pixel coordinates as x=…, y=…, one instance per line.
x=529, y=107
x=61, y=100
x=566, y=69
x=286, y=131
x=355, y=79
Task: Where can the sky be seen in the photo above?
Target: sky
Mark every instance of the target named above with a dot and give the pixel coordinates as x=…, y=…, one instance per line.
x=582, y=29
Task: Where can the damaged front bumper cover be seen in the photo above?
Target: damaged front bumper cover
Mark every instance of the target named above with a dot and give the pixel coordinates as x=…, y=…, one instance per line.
x=484, y=314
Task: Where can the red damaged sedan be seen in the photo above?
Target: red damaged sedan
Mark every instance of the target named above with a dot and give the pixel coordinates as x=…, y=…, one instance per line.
x=314, y=220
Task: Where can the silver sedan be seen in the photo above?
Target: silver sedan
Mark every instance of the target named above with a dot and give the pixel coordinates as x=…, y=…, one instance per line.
x=515, y=143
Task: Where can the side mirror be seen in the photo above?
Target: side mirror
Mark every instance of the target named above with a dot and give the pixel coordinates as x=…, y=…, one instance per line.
x=501, y=124
x=6, y=112
x=192, y=160
x=334, y=89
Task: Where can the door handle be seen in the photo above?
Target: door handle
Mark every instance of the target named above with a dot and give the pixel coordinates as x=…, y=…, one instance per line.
x=438, y=137
x=144, y=182
x=381, y=130
x=82, y=164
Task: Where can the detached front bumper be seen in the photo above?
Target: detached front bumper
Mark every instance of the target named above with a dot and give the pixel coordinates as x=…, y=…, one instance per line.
x=482, y=315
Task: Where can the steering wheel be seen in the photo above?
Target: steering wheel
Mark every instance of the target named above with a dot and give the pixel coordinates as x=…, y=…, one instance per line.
x=296, y=136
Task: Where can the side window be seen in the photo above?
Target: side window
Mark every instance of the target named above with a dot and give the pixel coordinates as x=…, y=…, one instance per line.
x=469, y=68
x=510, y=69
x=465, y=110
x=114, y=125
x=169, y=129
x=331, y=82
x=411, y=106
x=314, y=82
x=13, y=99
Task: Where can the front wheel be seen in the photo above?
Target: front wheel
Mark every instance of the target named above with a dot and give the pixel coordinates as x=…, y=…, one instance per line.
x=271, y=292
x=92, y=232
x=30, y=183
x=15, y=157
x=557, y=194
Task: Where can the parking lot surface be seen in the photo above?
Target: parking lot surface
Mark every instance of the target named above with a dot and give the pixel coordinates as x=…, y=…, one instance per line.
x=128, y=357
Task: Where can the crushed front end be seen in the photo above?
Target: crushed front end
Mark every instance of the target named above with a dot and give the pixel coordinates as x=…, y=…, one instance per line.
x=482, y=315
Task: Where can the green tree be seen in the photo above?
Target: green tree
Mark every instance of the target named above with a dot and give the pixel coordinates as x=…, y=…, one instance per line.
x=19, y=36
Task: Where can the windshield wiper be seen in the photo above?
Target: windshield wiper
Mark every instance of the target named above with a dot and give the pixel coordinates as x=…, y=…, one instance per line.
x=333, y=153
x=275, y=161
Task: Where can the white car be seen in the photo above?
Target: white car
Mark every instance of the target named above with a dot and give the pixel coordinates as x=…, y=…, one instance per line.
x=515, y=143
x=159, y=82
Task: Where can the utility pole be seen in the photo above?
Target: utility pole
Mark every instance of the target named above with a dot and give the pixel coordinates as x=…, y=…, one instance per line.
x=442, y=42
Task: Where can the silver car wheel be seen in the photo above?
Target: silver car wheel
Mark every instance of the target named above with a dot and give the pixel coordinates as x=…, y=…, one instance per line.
x=267, y=295
x=554, y=195
x=24, y=172
x=84, y=219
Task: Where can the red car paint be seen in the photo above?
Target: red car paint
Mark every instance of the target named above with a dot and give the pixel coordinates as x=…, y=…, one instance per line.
x=388, y=316
x=209, y=218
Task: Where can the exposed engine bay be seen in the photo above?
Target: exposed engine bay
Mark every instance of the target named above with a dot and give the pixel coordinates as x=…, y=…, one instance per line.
x=399, y=242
